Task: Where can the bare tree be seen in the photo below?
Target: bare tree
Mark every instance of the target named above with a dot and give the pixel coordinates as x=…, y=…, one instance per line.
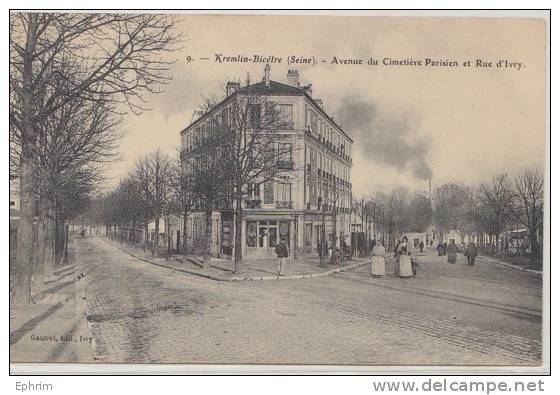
x=259, y=149
x=208, y=177
x=450, y=207
x=496, y=197
x=182, y=196
x=331, y=206
x=152, y=174
x=79, y=135
x=115, y=59
x=419, y=213
x=528, y=205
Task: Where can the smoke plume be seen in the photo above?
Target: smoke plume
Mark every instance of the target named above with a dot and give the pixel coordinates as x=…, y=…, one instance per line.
x=386, y=138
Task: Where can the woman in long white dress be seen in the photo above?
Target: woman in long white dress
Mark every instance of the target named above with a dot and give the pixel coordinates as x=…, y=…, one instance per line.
x=404, y=262
x=378, y=260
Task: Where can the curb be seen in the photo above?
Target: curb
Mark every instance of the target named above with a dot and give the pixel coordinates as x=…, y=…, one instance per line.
x=510, y=265
x=82, y=312
x=250, y=278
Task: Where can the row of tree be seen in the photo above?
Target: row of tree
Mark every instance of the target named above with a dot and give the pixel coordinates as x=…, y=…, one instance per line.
x=494, y=207
x=72, y=78
x=390, y=214
x=235, y=146
x=479, y=212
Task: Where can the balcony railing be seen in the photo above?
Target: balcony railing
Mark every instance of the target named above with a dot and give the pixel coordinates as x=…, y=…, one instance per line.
x=253, y=203
x=283, y=204
x=285, y=164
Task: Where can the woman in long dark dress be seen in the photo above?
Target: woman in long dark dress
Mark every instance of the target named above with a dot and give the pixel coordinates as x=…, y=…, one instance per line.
x=452, y=251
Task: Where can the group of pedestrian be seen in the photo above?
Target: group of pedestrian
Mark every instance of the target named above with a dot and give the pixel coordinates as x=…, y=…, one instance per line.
x=452, y=250
x=404, y=264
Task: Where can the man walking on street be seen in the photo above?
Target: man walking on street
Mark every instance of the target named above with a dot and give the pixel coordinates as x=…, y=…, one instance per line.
x=282, y=253
x=440, y=249
x=471, y=253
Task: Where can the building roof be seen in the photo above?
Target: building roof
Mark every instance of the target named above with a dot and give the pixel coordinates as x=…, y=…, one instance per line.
x=275, y=89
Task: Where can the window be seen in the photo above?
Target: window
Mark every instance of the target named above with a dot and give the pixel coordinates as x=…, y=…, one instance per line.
x=268, y=197
x=284, y=192
x=286, y=116
x=225, y=118
x=253, y=190
x=255, y=115
x=314, y=123
x=284, y=155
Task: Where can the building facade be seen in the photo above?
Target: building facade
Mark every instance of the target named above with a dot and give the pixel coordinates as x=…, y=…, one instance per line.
x=313, y=191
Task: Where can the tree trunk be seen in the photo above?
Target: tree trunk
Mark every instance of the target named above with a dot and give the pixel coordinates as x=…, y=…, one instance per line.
x=238, y=253
x=168, y=237
x=146, y=236
x=48, y=265
x=66, y=229
x=58, y=237
x=36, y=287
x=333, y=242
x=535, y=251
x=185, y=236
x=39, y=261
x=21, y=290
x=207, y=238
x=156, y=238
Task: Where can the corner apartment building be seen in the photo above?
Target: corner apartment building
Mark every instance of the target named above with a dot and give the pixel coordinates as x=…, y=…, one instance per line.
x=313, y=190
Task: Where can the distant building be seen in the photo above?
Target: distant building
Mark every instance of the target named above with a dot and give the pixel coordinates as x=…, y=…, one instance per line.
x=315, y=176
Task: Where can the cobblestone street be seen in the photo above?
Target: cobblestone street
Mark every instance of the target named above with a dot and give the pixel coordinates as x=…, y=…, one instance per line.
x=447, y=315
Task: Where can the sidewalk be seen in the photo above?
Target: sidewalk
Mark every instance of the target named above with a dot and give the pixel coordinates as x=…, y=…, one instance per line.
x=518, y=264
x=510, y=262
x=53, y=328
x=253, y=269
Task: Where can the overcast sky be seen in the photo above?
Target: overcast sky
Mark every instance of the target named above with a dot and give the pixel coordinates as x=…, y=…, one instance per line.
x=407, y=122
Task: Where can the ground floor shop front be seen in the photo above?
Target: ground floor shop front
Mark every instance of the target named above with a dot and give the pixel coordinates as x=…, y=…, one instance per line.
x=302, y=231
x=261, y=231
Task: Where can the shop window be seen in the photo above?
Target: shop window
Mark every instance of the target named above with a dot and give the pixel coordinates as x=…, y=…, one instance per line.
x=251, y=234
x=284, y=232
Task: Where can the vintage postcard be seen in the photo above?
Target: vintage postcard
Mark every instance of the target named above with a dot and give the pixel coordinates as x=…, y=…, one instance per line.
x=348, y=192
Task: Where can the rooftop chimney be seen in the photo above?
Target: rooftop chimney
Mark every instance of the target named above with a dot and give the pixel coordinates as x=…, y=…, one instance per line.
x=308, y=89
x=292, y=78
x=231, y=87
x=267, y=75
